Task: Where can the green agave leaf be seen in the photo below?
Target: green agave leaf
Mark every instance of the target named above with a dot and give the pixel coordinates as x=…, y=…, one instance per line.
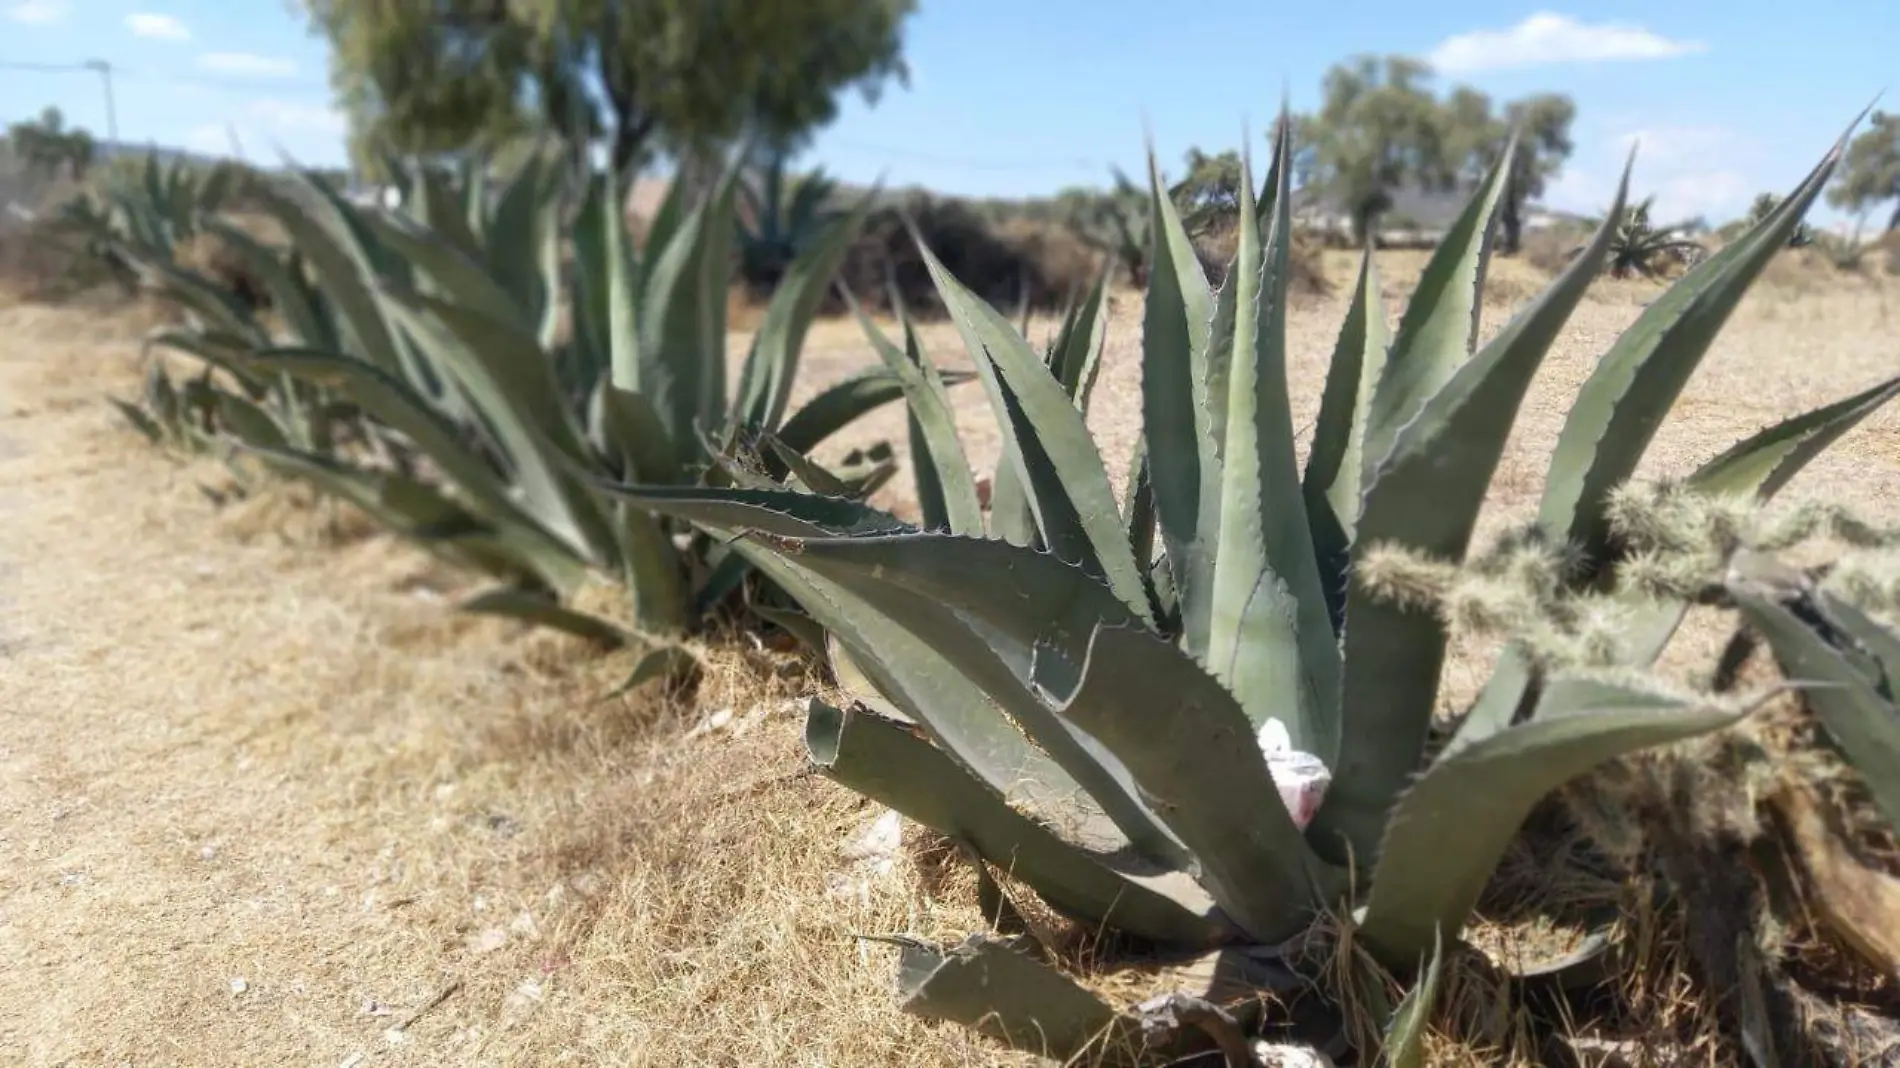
x=1075, y=357
x=1766, y=461
x=1447, y=832
x=418, y=511
x=250, y=423
x=458, y=277
x=1440, y=325
x=1426, y=495
x=991, y=986
x=288, y=295
x=1624, y=401
x=1820, y=639
x=771, y=366
x=1195, y=761
x=508, y=380
x=1333, y=483
x=1177, y=391
x=673, y=664
x=392, y=402
x=330, y=236
x=535, y=607
x=838, y=406
x=894, y=765
x=1055, y=457
x=898, y=629
x=1405, y=1034
x=629, y=429
x=144, y=424
x=1272, y=638
x=947, y=489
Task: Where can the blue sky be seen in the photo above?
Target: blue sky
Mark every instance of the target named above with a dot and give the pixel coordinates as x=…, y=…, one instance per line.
x=1728, y=97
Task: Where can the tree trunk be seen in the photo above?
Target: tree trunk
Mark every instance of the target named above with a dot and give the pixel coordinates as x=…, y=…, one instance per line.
x=1893, y=223
x=1511, y=227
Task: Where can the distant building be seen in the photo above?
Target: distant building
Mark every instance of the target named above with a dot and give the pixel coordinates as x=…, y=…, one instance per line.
x=1417, y=218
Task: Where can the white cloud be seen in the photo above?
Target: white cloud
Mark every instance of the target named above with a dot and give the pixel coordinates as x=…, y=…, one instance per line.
x=1693, y=170
x=161, y=27
x=288, y=115
x=247, y=64
x=37, y=12
x=1547, y=37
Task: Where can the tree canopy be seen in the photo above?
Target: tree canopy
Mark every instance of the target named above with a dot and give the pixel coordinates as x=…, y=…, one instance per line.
x=1870, y=173
x=49, y=146
x=1380, y=127
x=644, y=76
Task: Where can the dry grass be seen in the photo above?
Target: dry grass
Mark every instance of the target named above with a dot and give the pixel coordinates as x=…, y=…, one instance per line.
x=224, y=755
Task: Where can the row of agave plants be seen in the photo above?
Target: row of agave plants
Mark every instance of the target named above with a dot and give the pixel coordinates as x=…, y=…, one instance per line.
x=1197, y=716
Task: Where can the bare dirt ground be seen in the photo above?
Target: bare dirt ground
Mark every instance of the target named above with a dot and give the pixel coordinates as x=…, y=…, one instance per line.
x=263, y=798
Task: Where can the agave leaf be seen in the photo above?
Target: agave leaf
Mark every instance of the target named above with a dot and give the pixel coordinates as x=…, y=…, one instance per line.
x=838, y=406
x=250, y=423
x=630, y=430
x=218, y=306
x=1426, y=495
x=893, y=765
x=418, y=511
x=392, y=402
x=1820, y=639
x=507, y=379
x=672, y=663
x=459, y=278
x=1440, y=325
x=892, y=631
x=1075, y=357
x=327, y=233
x=809, y=474
x=1054, y=455
x=1335, y=467
x=1447, y=832
x=288, y=294
x=946, y=488
x=535, y=607
x=771, y=367
x=662, y=359
x=1405, y=1034
x=1177, y=411
x=991, y=986
x=141, y=422
x=1272, y=638
x=1766, y=461
x=1034, y=599
x=1624, y=401
x=1193, y=756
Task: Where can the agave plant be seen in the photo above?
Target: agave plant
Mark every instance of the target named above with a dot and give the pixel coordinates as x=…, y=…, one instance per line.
x=785, y=216
x=1640, y=246
x=1086, y=706
x=492, y=368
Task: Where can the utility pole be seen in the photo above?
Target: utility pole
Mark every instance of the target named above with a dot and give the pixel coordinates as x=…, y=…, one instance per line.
x=112, y=114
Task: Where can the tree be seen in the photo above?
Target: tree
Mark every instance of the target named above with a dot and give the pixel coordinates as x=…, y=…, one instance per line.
x=47, y=146
x=1870, y=172
x=1377, y=129
x=1475, y=139
x=679, y=76
x=1209, y=193
x=1764, y=206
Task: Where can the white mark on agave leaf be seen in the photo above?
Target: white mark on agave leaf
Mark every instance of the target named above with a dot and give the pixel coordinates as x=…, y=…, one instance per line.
x=1302, y=778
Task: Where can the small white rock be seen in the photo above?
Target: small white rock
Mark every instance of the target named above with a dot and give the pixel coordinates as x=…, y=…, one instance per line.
x=239, y=986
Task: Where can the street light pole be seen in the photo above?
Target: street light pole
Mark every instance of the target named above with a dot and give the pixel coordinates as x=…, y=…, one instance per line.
x=112, y=115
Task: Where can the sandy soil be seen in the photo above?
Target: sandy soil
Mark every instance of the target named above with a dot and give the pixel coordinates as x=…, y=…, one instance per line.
x=262, y=798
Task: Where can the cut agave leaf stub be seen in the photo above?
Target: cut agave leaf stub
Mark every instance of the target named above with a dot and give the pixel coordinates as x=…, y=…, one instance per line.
x=1301, y=778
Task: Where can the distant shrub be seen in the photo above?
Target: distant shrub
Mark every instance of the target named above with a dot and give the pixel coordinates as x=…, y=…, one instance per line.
x=1004, y=263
